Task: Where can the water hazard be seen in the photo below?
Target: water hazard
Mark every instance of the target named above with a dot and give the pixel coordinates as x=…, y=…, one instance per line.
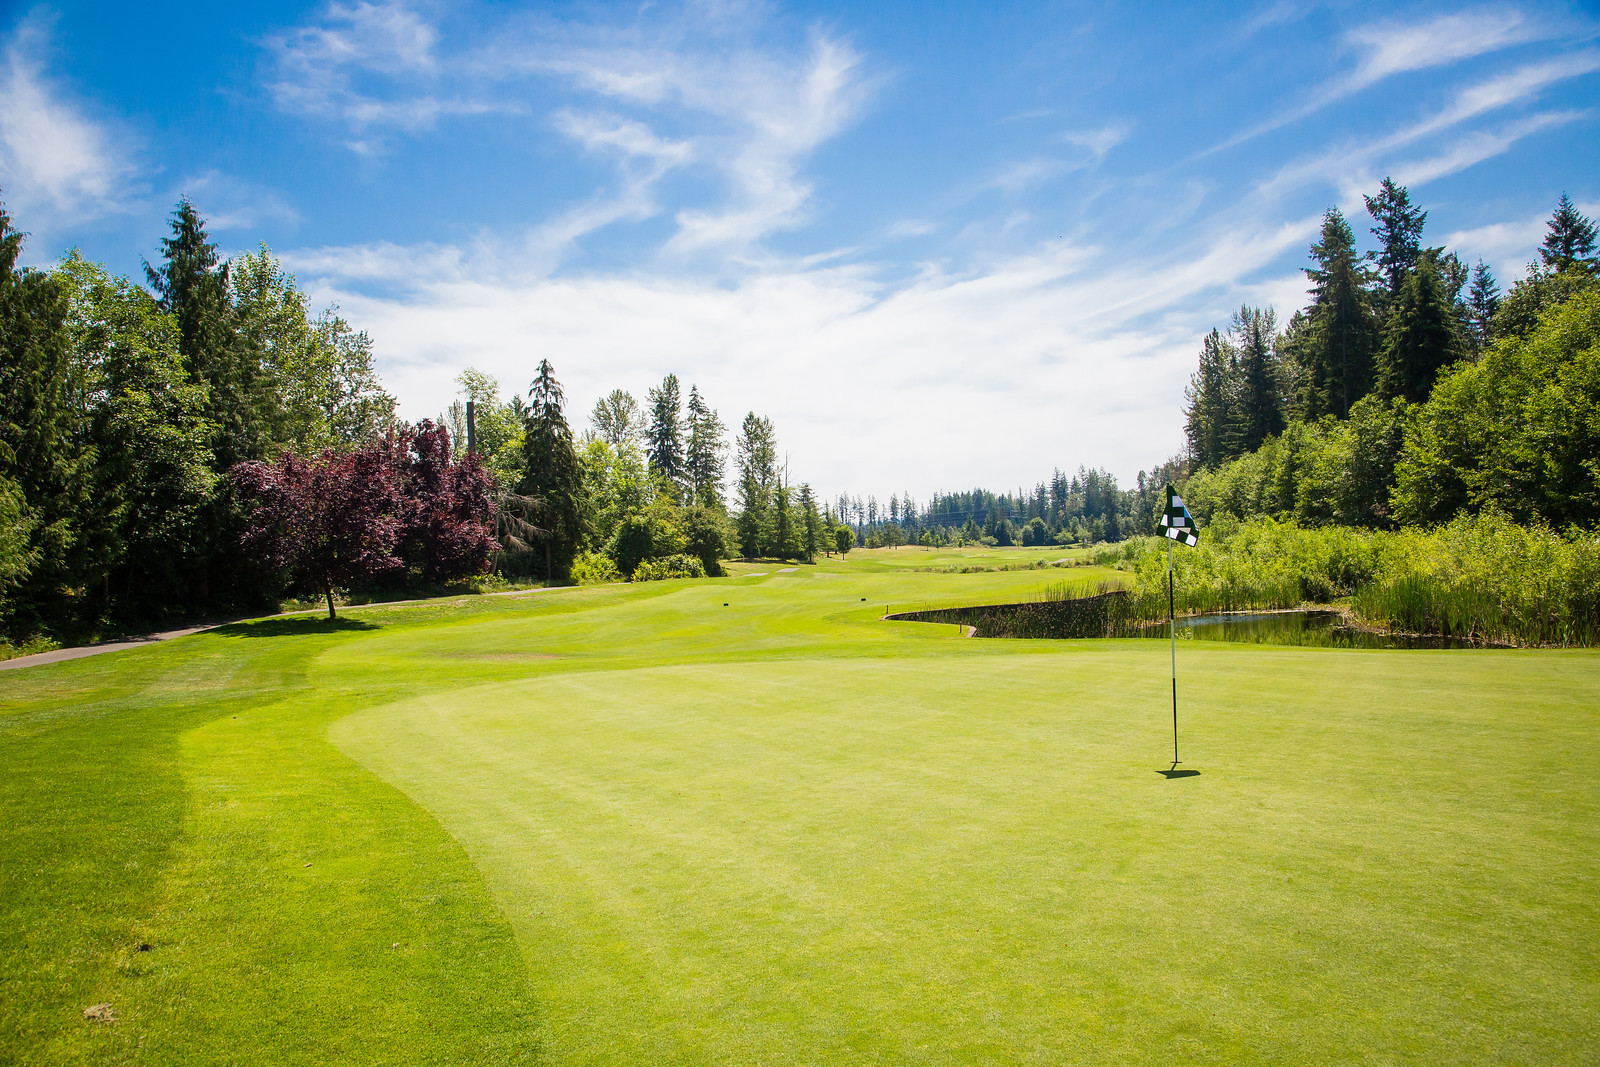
x=1314, y=628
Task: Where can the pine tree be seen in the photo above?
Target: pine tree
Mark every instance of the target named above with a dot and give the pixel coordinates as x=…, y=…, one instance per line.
x=1399, y=230
x=811, y=531
x=664, y=436
x=703, y=461
x=193, y=286
x=1570, y=241
x=1210, y=415
x=1260, y=403
x=1422, y=337
x=1342, y=337
x=552, y=473
x=1483, y=301
x=758, y=477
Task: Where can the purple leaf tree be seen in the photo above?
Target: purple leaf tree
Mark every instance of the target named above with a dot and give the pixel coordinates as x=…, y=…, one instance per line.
x=329, y=522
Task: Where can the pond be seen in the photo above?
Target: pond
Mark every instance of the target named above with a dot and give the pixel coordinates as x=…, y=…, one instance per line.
x=1316, y=628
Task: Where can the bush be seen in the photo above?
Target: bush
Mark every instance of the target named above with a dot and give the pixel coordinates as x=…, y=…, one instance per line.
x=679, y=566
x=591, y=567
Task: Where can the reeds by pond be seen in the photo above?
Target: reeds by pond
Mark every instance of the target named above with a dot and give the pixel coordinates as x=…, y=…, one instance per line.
x=1483, y=577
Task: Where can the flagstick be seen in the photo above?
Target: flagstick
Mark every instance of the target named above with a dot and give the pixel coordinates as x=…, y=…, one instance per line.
x=1172, y=630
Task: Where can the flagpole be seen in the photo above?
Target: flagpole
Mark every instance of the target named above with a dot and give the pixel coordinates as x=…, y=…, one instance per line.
x=1172, y=631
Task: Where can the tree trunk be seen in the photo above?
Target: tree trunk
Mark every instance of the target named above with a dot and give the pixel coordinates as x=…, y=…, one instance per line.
x=549, y=573
x=327, y=590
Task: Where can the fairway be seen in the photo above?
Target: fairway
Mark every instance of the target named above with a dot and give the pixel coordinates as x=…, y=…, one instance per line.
x=745, y=821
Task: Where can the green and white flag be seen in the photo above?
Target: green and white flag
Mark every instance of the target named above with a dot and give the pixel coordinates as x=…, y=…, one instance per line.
x=1176, y=522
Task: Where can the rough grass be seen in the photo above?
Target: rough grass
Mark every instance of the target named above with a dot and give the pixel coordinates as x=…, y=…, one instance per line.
x=631, y=825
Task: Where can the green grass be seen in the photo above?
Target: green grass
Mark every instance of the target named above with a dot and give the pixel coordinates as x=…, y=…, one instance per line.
x=630, y=825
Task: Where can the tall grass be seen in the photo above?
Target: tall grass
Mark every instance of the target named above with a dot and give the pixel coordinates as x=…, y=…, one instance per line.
x=1483, y=577
x=1490, y=579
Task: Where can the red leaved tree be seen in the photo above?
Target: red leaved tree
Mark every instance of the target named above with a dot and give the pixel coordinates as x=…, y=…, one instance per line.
x=328, y=522
x=447, y=514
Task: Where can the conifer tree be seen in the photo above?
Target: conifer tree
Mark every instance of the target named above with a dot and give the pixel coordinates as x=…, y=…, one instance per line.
x=758, y=477
x=1422, y=337
x=703, y=460
x=1337, y=346
x=1570, y=241
x=1399, y=230
x=1260, y=404
x=552, y=473
x=1210, y=413
x=664, y=436
x=812, y=530
x=193, y=286
x=1483, y=301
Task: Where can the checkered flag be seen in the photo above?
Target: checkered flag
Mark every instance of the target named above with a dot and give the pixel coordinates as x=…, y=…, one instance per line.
x=1176, y=522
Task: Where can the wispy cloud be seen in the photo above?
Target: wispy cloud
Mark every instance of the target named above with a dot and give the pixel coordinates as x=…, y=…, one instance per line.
x=56, y=162
x=1349, y=166
x=1392, y=47
x=1098, y=142
x=371, y=67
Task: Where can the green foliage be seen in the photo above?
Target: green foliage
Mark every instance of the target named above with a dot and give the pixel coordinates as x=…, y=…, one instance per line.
x=1483, y=577
x=44, y=453
x=1337, y=345
x=1488, y=578
x=17, y=554
x=594, y=567
x=1570, y=241
x=844, y=539
x=664, y=436
x=1519, y=431
x=1422, y=337
x=674, y=566
x=706, y=537
x=1399, y=232
x=153, y=472
x=703, y=462
x=553, y=474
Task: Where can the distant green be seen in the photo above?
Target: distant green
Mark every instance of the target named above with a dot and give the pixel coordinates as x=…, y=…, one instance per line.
x=629, y=825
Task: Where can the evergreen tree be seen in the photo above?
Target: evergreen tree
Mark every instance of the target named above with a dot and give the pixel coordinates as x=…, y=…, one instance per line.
x=758, y=477
x=552, y=473
x=1422, y=337
x=703, y=461
x=1483, y=301
x=1570, y=241
x=1336, y=348
x=1260, y=403
x=615, y=419
x=1210, y=414
x=42, y=448
x=1399, y=230
x=193, y=286
x=783, y=526
x=812, y=530
x=664, y=436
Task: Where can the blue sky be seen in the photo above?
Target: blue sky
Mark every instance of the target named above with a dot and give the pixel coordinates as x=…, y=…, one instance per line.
x=939, y=244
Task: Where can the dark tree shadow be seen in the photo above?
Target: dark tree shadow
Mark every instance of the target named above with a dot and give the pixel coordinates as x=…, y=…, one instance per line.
x=1178, y=774
x=295, y=625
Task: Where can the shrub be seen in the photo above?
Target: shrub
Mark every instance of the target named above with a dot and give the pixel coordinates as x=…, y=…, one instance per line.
x=591, y=567
x=679, y=566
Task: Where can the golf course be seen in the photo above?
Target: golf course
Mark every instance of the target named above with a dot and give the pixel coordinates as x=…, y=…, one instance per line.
x=746, y=821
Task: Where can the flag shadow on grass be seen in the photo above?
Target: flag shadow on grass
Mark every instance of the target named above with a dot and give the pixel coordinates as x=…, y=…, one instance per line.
x=1178, y=774
x=293, y=625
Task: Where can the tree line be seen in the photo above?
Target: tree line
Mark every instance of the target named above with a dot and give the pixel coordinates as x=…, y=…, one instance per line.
x=123, y=409
x=1410, y=388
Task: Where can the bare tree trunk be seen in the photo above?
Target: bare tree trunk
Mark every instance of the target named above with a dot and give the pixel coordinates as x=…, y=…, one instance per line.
x=327, y=589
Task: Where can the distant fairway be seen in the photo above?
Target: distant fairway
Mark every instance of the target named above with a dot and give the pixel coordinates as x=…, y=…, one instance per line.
x=634, y=826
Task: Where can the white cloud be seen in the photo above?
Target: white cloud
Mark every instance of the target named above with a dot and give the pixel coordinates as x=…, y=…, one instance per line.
x=1098, y=142
x=1393, y=48
x=57, y=165
x=1033, y=360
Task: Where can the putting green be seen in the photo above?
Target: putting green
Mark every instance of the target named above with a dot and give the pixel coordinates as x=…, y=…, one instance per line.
x=632, y=825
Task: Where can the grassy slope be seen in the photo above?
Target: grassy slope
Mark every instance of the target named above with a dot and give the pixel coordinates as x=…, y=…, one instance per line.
x=781, y=831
